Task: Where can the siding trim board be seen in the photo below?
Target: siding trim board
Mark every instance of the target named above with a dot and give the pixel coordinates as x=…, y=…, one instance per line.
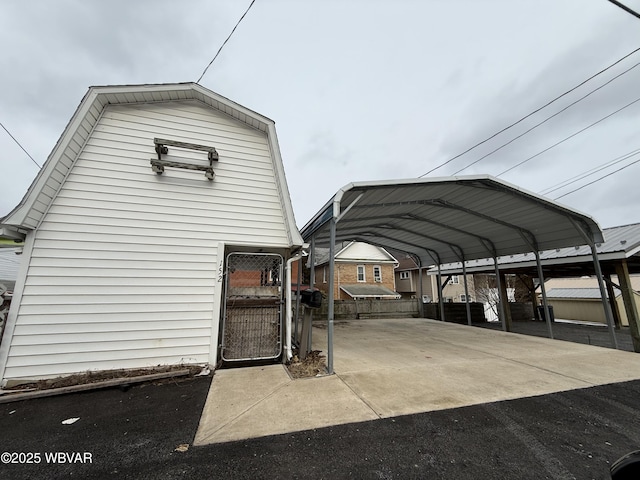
x=121, y=266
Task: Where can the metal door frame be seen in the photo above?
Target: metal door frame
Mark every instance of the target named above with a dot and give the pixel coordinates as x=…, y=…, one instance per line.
x=278, y=304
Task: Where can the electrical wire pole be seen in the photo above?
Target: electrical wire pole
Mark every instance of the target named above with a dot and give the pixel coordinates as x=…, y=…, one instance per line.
x=625, y=8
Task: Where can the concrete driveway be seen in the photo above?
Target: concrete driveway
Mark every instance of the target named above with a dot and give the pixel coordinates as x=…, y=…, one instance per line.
x=386, y=368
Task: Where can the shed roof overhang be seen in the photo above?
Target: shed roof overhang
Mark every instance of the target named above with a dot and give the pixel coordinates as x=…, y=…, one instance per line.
x=621, y=243
x=450, y=219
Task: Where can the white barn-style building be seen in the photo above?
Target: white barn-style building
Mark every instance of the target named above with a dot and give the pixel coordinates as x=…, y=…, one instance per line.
x=159, y=208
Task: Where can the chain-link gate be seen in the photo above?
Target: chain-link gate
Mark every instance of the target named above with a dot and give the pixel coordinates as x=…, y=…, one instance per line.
x=252, y=321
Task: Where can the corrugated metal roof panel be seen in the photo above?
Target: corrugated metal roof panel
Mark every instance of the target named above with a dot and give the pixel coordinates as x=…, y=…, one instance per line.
x=443, y=219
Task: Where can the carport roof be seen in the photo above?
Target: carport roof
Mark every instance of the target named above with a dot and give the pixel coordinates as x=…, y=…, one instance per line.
x=447, y=219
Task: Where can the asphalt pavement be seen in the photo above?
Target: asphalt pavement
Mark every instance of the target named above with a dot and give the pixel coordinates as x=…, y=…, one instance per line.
x=135, y=434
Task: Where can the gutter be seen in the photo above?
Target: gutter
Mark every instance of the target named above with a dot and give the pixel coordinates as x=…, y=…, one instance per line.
x=287, y=344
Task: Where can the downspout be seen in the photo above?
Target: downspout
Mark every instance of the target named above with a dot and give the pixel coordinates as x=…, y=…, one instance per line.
x=287, y=344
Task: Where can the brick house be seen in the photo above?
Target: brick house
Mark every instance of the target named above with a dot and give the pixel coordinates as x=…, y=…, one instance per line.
x=361, y=271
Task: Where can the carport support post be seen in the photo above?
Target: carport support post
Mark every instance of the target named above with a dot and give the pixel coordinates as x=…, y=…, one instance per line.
x=502, y=299
x=505, y=296
x=330, y=296
x=420, y=291
x=440, y=300
x=466, y=291
x=603, y=293
x=612, y=301
x=545, y=304
x=622, y=271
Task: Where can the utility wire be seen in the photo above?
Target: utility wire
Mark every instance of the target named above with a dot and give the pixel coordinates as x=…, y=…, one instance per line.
x=625, y=8
x=598, y=179
x=225, y=42
x=590, y=172
x=23, y=149
x=546, y=119
x=532, y=113
x=568, y=138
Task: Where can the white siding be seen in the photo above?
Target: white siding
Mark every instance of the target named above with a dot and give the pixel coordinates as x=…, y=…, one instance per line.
x=360, y=251
x=124, y=266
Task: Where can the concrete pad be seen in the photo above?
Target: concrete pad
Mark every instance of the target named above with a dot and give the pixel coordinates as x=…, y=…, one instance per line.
x=391, y=367
x=392, y=392
x=597, y=367
x=235, y=392
x=285, y=406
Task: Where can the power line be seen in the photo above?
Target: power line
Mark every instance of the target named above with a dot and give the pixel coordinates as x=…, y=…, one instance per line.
x=225, y=42
x=597, y=179
x=590, y=172
x=532, y=113
x=625, y=8
x=569, y=137
x=23, y=149
x=546, y=119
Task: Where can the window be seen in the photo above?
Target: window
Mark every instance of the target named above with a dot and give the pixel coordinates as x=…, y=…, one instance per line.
x=455, y=280
x=404, y=275
x=463, y=298
x=377, y=273
x=324, y=275
x=361, y=273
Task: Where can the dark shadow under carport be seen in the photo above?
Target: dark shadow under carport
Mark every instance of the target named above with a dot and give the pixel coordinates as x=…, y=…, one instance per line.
x=587, y=334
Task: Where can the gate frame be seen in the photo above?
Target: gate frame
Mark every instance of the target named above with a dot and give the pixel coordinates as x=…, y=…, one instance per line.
x=223, y=278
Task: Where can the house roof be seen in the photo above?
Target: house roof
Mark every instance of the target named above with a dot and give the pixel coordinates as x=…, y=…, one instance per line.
x=28, y=214
x=406, y=263
x=443, y=220
x=621, y=242
x=356, y=252
x=364, y=252
x=368, y=290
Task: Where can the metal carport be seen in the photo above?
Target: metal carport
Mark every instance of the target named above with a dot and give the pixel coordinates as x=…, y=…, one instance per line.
x=449, y=219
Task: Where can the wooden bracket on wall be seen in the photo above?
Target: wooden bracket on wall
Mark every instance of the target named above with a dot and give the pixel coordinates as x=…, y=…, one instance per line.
x=161, y=146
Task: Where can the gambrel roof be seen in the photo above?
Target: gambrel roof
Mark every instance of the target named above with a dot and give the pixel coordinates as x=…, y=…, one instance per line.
x=28, y=214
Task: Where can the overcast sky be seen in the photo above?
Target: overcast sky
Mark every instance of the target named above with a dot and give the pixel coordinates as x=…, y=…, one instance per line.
x=359, y=90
